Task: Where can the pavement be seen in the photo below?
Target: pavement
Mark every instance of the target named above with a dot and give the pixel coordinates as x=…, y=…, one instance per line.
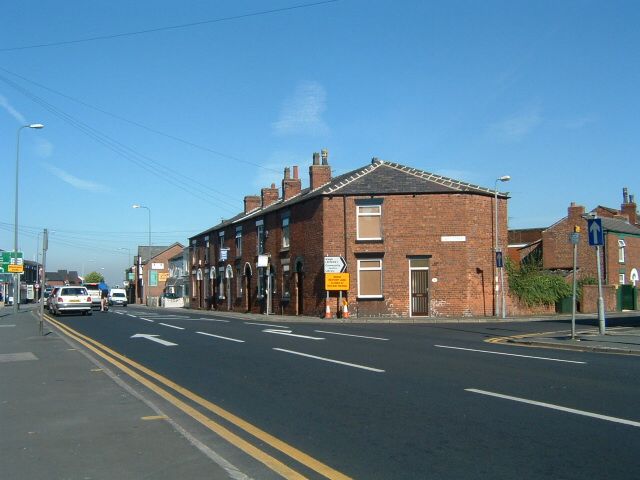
x=65, y=415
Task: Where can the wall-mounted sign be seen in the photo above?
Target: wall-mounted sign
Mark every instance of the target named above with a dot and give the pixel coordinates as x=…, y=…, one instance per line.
x=162, y=276
x=224, y=253
x=157, y=266
x=334, y=265
x=263, y=260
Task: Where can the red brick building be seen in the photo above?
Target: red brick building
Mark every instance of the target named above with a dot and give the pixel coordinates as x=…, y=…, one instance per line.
x=620, y=254
x=153, y=272
x=415, y=244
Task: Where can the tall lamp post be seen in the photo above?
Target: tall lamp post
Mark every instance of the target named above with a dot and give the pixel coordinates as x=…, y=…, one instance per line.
x=149, y=247
x=498, y=248
x=16, y=277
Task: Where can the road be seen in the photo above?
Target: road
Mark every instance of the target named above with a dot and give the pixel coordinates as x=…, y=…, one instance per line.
x=380, y=401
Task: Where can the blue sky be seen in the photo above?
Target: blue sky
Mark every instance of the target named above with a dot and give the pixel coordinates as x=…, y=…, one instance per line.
x=188, y=120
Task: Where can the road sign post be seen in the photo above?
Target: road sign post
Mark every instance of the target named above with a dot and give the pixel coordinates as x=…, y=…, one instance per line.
x=575, y=238
x=596, y=239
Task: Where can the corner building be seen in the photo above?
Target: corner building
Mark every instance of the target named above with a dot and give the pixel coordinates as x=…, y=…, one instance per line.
x=415, y=244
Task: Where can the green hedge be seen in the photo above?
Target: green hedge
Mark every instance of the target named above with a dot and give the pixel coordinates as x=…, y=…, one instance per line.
x=535, y=286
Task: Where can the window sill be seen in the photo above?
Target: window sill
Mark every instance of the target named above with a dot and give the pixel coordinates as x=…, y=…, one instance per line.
x=369, y=240
x=370, y=297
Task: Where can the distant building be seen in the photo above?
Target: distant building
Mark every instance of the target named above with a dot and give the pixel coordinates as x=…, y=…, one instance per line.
x=152, y=267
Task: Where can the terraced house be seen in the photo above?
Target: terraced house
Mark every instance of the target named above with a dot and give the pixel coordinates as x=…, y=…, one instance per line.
x=414, y=243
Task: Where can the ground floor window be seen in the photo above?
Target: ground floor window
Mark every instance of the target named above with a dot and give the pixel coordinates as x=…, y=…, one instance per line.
x=370, y=278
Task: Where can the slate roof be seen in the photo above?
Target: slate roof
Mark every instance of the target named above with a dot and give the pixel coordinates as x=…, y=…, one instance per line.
x=143, y=250
x=378, y=178
x=617, y=225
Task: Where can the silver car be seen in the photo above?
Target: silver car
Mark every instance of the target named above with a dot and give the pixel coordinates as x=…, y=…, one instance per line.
x=71, y=299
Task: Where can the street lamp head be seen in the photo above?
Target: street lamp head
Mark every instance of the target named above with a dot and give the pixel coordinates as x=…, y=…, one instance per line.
x=504, y=178
x=135, y=206
x=36, y=125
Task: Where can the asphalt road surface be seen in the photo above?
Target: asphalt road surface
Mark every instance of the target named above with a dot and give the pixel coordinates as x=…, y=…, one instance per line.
x=380, y=401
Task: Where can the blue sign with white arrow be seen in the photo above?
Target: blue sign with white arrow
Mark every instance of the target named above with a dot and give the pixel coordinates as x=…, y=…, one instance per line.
x=596, y=234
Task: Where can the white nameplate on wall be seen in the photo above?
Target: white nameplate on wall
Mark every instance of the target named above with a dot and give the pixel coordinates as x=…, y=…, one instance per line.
x=453, y=238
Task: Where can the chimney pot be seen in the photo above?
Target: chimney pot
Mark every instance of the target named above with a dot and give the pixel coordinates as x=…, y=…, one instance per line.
x=325, y=156
x=625, y=195
x=295, y=171
x=286, y=173
x=316, y=158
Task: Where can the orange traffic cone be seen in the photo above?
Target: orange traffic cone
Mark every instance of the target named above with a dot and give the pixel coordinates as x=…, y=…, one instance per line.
x=327, y=312
x=345, y=310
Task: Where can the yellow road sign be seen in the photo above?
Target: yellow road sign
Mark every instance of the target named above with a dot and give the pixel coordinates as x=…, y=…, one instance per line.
x=16, y=268
x=336, y=281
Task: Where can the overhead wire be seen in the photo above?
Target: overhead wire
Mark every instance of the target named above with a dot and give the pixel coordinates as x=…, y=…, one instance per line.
x=138, y=124
x=165, y=28
x=144, y=162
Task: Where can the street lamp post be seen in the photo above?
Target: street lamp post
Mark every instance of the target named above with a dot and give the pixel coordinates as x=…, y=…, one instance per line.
x=497, y=248
x=16, y=282
x=149, y=247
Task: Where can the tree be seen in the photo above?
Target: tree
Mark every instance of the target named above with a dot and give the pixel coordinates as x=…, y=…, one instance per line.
x=93, y=277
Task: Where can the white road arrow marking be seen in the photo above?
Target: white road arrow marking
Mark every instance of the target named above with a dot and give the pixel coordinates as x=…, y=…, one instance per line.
x=289, y=334
x=154, y=339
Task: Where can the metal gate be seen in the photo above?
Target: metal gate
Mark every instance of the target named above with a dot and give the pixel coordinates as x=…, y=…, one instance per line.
x=420, y=292
x=628, y=297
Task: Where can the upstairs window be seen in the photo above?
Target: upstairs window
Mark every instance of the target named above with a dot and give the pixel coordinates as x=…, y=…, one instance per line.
x=260, y=236
x=369, y=221
x=621, y=246
x=285, y=233
x=238, y=241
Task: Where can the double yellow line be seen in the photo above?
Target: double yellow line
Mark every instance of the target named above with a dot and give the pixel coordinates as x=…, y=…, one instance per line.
x=129, y=367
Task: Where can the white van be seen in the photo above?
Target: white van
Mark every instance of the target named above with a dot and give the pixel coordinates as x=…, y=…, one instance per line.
x=118, y=296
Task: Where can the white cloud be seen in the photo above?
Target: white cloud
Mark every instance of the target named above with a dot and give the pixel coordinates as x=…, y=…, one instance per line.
x=301, y=113
x=75, y=181
x=518, y=125
x=4, y=103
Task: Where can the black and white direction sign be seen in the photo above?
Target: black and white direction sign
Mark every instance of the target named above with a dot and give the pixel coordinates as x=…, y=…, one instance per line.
x=334, y=265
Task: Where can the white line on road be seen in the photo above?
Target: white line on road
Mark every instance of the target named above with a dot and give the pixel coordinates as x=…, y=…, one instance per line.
x=7, y=325
x=147, y=319
x=211, y=319
x=172, y=326
x=355, y=365
x=556, y=407
x=510, y=354
x=154, y=338
x=289, y=334
x=264, y=325
x=349, y=335
x=219, y=336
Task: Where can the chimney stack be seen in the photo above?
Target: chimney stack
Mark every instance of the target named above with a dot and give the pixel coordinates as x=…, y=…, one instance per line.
x=575, y=212
x=291, y=186
x=251, y=202
x=320, y=174
x=629, y=208
x=269, y=195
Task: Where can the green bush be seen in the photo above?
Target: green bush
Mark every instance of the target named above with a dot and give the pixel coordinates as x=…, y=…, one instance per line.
x=535, y=286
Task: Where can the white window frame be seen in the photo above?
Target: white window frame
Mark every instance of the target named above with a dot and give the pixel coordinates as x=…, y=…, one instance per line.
x=621, y=279
x=221, y=289
x=286, y=233
x=621, y=256
x=359, y=215
x=379, y=268
x=238, y=241
x=259, y=236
